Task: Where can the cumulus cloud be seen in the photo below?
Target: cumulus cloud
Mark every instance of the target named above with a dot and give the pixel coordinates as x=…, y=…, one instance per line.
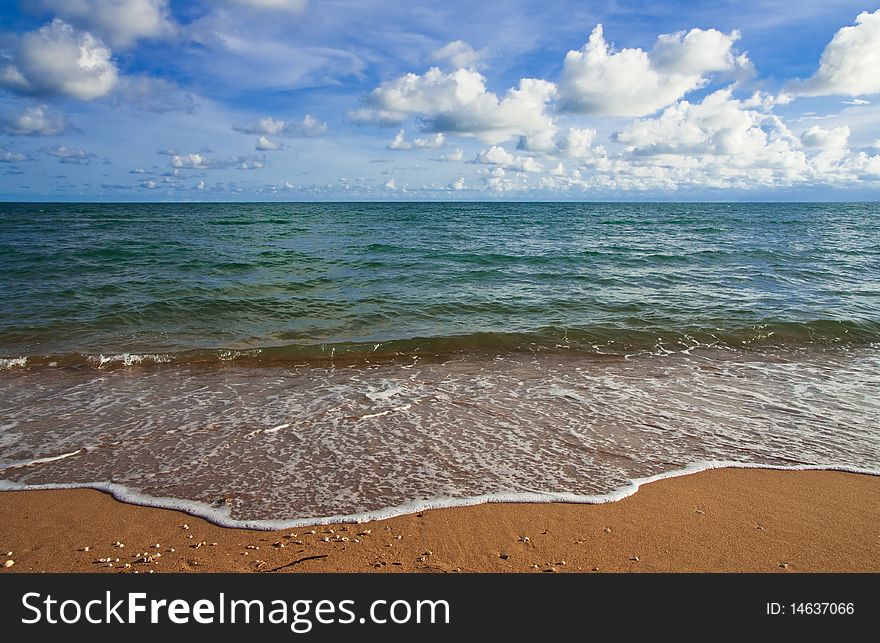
x=719, y=126
x=500, y=157
x=265, y=144
x=459, y=103
x=203, y=161
x=34, y=121
x=572, y=143
x=455, y=155
x=850, y=64
x=118, y=22
x=458, y=54
x=632, y=82
x=12, y=156
x=58, y=60
x=309, y=126
x=576, y=143
x=72, y=155
x=826, y=139
x=457, y=184
x=399, y=142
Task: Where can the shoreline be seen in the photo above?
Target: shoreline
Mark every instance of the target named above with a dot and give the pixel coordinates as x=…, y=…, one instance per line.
x=220, y=518
x=721, y=520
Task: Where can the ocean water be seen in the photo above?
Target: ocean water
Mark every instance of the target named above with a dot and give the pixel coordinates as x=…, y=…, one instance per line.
x=273, y=364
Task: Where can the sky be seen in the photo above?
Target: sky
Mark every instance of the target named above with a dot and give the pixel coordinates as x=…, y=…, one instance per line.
x=299, y=100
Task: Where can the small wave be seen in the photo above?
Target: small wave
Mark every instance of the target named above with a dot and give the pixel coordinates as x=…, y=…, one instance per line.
x=596, y=341
x=128, y=359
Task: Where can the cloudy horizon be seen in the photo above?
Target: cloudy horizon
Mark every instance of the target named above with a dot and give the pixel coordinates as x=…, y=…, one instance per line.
x=155, y=100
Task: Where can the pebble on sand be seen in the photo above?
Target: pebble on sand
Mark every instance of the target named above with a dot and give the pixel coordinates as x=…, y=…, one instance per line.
x=9, y=563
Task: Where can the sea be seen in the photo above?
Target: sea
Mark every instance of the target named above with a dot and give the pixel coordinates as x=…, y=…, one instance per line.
x=268, y=365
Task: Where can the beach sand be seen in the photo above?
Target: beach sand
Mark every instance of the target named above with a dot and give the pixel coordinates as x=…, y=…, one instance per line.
x=725, y=520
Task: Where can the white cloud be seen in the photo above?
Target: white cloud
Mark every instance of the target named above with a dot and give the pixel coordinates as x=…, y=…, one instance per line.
x=826, y=139
x=856, y=101
x=633, y=82
x=264, y=144
x=118, y=22
x=293, y=6
x=191, y=161
x=34, y=121
x=399, y=142
x=58, y=60
x=390, y=184
x=309, y=126
x=455, y=155
x=850, y=64
x=457, y=184
x=458, y=103
x=719, y=126
x=430, y=142
x=575, y=143
x=202, y=161
x=500, y=157
x=459, y=54
x=71, y=155
x=12, y=156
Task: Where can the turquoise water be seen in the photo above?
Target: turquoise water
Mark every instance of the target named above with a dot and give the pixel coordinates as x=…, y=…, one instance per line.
x=156, y=278
x=289, y=362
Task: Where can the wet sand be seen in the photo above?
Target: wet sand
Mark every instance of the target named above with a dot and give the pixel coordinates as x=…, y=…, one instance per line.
x=726, y=520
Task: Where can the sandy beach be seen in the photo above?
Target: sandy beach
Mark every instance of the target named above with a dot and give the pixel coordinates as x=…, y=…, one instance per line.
x=726, y=520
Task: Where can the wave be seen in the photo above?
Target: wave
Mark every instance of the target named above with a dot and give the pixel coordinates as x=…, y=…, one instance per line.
x=221, y=516
x=599, y=341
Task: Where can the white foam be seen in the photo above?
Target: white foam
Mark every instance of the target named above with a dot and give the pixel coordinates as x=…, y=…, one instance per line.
x=221, y=516
x=387, y=394
x=129, y=359
x=30, y=463
x=12, y=362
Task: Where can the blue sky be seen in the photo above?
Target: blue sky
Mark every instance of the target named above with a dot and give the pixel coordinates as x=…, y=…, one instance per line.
x=380, y=99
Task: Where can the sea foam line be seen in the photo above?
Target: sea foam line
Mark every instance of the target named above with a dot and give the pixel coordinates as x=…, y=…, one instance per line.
x=30, y=463
x=221, y=517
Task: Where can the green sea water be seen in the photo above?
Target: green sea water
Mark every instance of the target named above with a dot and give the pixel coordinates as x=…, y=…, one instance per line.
x=305, y=279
